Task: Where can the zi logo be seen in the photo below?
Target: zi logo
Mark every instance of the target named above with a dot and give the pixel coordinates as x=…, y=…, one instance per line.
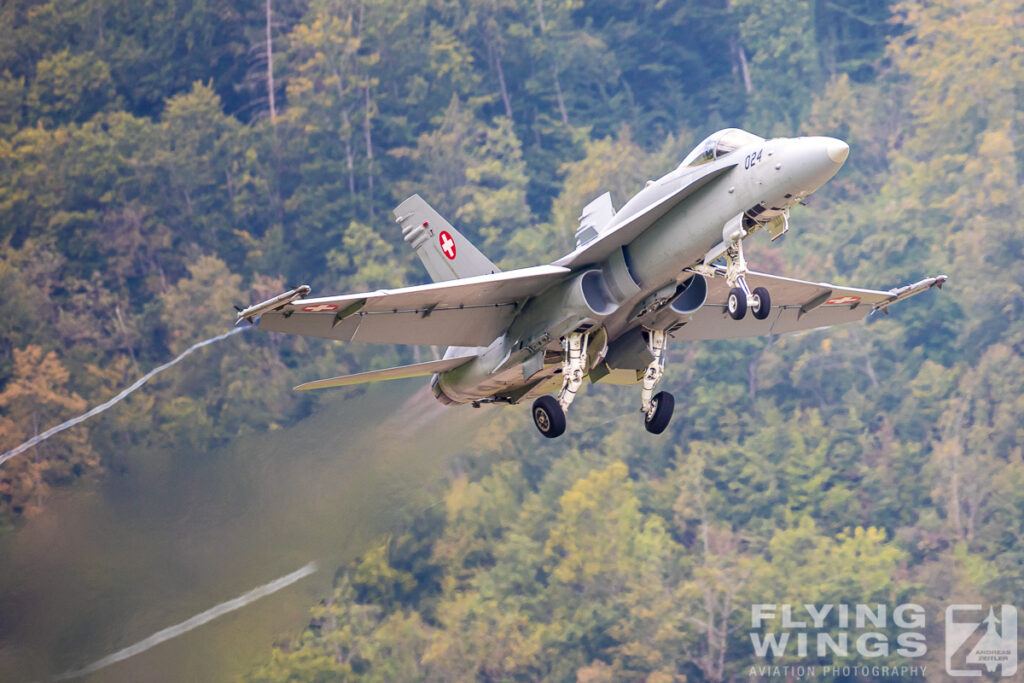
x=967, y=654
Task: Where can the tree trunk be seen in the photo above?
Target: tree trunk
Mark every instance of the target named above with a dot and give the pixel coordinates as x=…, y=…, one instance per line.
x=748, y=85
x=554, y=66
x=349, y=161
x=558, y=95
x=501, y=79
x=270, y=68
x=367, y=131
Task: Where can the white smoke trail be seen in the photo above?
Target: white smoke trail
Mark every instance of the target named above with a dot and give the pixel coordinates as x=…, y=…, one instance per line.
x=117, y=399
x=193, y=622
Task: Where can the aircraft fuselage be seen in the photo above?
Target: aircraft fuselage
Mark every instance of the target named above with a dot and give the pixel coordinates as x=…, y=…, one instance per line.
x=625, y=292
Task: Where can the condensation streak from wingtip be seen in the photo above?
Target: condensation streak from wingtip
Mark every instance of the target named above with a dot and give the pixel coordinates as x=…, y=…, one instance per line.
x=35, y=440
x=193, y=622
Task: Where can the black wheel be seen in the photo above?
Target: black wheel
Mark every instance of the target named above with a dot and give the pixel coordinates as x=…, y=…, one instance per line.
x=662, y=406
x=548, y=416
x=762, y=303
x=737, y=303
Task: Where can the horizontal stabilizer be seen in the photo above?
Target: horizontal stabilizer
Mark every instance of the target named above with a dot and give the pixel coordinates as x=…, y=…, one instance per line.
x=402, y=372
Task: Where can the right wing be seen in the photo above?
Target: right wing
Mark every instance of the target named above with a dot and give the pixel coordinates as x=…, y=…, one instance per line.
x=402, y=372
x=795, y=305
x=467, y=312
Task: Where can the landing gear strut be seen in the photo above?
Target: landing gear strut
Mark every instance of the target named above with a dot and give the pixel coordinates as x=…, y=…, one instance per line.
x=549, y=413
x=574, y=362
x=740, y=296
x=655, y=370
x=657, y=409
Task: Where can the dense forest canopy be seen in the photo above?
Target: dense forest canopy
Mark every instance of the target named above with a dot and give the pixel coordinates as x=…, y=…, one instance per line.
x=161, y=161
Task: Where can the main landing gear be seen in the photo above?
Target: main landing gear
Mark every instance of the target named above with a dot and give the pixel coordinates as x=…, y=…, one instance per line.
x=658, y=417
x=549, y=412
x=740, y=297
x=549, y=417
x=657, y=409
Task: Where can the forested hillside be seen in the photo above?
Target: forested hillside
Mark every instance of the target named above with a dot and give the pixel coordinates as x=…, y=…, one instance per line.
x=161, y=161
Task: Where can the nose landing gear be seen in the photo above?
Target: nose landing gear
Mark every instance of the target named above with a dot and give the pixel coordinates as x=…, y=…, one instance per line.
x=762, y=303
x=737, y=303
x=759, y=302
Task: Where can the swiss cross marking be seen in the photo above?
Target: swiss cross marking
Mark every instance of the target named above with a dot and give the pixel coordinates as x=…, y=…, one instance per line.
x=447, y=244
x=319, y=308
x=844, y=300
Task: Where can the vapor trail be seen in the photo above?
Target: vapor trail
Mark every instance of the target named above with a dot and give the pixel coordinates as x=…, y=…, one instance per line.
x=117, y=399
x=193, y=622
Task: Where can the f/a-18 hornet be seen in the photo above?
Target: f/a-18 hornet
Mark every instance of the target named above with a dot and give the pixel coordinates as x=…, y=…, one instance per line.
x=667, y=265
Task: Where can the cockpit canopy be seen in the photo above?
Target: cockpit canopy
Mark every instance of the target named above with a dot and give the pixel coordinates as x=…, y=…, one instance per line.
x=717, y=145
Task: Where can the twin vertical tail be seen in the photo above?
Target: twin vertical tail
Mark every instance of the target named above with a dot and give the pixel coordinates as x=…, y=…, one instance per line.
x=444, y=251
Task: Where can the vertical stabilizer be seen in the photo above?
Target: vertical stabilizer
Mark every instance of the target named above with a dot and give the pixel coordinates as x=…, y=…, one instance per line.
x=445, y=252
x=595, y=216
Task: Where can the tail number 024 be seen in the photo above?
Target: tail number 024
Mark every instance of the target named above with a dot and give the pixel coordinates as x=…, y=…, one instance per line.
x=751, y=159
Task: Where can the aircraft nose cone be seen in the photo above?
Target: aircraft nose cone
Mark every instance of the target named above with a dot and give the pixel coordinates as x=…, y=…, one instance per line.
x=837, y=150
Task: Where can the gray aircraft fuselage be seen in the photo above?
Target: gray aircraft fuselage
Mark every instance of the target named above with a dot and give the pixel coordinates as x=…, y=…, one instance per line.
x=642, y=284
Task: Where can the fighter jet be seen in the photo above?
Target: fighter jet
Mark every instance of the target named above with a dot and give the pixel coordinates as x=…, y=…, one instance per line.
x=667, y=266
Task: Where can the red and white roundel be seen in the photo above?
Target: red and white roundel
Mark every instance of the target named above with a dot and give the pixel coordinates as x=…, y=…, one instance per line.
x=320, y=308
x=844, y=300
x=447, y=244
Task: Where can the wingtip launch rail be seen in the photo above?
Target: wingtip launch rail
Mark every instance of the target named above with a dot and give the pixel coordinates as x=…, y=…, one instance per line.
x=901, y=293
x=275, y=303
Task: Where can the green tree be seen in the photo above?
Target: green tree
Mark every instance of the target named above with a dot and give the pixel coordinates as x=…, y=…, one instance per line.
x=474, y=174
x=617, y=165
x=12, y=98
x=69, y=88
x=33, y=400
x=193, y=159
x=784, y=66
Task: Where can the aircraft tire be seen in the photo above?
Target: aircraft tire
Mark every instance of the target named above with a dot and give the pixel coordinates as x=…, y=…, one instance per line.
x=663, y=404
x=549, y=417
x=737, y=303
x=762, y=303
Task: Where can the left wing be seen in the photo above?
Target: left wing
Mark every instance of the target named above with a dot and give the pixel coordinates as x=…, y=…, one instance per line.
x=471, y=311
x=796, y=305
